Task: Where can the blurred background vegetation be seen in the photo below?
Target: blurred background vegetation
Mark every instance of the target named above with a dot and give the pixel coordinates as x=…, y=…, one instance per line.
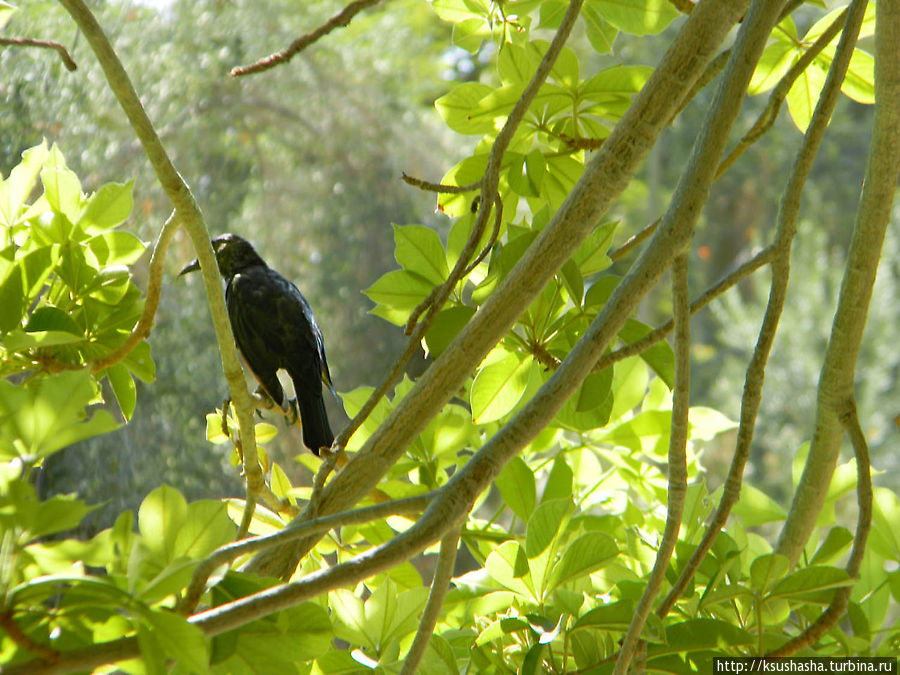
x=305, y=161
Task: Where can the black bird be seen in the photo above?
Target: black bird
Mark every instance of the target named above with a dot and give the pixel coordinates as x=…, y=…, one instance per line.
x=274, y=328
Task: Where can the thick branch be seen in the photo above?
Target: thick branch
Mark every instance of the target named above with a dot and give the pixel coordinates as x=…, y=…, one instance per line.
x=838, y=605
x=187, y=212
x=608, y=173
x=229, y=552
x=781, y=252
x=839, y=368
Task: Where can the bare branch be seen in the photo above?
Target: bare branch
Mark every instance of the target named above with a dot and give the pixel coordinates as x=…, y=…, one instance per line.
x=67, y=60
x=440, y=584
x=339, y=20
x=14, y=631
x=838, y=605
x=225, y=554
x=141, y=330
x=839, y=368
x=606, y=175
x=781, y=254
x=439, y=187
x=677, y=460
x=768, y=116
x=187, y=212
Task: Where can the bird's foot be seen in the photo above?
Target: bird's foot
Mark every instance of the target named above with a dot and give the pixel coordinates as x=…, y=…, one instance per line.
x=263, y=400
x=226, y=404
x=293, y=413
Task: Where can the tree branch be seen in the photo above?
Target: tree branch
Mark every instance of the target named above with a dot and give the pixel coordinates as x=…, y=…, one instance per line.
x=605, y=177
x=341, y=19
x=781, y=252
x=188, y=213
x=141, y=330
x=838, y=605
x=839, y=368
x=67, y=60
x=225, y=554
x=768, y=116
x=677, y=488
x=440, y=584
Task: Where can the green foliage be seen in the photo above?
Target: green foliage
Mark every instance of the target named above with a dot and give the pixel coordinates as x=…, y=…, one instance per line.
x=68, y=297
x=787, y=47
x=560, y=550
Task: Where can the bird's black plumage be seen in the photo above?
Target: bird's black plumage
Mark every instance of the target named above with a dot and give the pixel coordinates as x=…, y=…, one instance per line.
x=274, y=328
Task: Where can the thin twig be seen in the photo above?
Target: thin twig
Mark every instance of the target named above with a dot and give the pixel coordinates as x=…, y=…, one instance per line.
x=440, y=584
x=492, y=240
x=141, y=331
x=781, y=252
x=341, y=19
x=677, y=461
x=226, y=554
x=768, y=116
x=761, y=259
x=439, y=187
x=634, y=240
x=488, y=184
x=840, y=601
x=67, y=60
x=20, y=637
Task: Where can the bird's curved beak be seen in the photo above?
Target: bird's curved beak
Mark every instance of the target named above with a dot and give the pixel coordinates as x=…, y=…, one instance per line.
x=190, y=267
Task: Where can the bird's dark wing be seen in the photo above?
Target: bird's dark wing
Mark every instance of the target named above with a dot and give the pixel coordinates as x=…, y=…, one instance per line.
x=252, y=303
x=274, y=328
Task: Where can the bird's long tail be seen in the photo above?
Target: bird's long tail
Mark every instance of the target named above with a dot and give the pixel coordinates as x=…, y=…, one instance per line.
x=316, y=430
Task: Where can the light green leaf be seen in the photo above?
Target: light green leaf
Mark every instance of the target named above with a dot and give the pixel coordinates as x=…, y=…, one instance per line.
x=206, y=527
x=811, y=584
x=600, y=33
x=698, y=634
x=15, y=189
x=160, y=517
x=12, y=300
x=62, y=190
x=756, y=508
x=397, y=293
x=859, y=84
x=766, y=570
x=638, y=17
x=116, y=248
x=516, y=64
x=517, y=487
x=42, y=419
x=123, y=388
x=455, y=108
x=498, y=387
x=108, y=207
x=591, y=257
x=586, y=554
x=178, y=639
x=446, y=326
x=546, y=525
x=804, y=95
x=508, y=566
x=419, y=250
x=776, y=60
x=559, y=482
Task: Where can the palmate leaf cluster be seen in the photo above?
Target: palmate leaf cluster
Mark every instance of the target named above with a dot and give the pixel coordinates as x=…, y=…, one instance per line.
x=557, y=553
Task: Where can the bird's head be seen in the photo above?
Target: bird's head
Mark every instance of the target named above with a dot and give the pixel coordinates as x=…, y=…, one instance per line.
x=233, y=253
